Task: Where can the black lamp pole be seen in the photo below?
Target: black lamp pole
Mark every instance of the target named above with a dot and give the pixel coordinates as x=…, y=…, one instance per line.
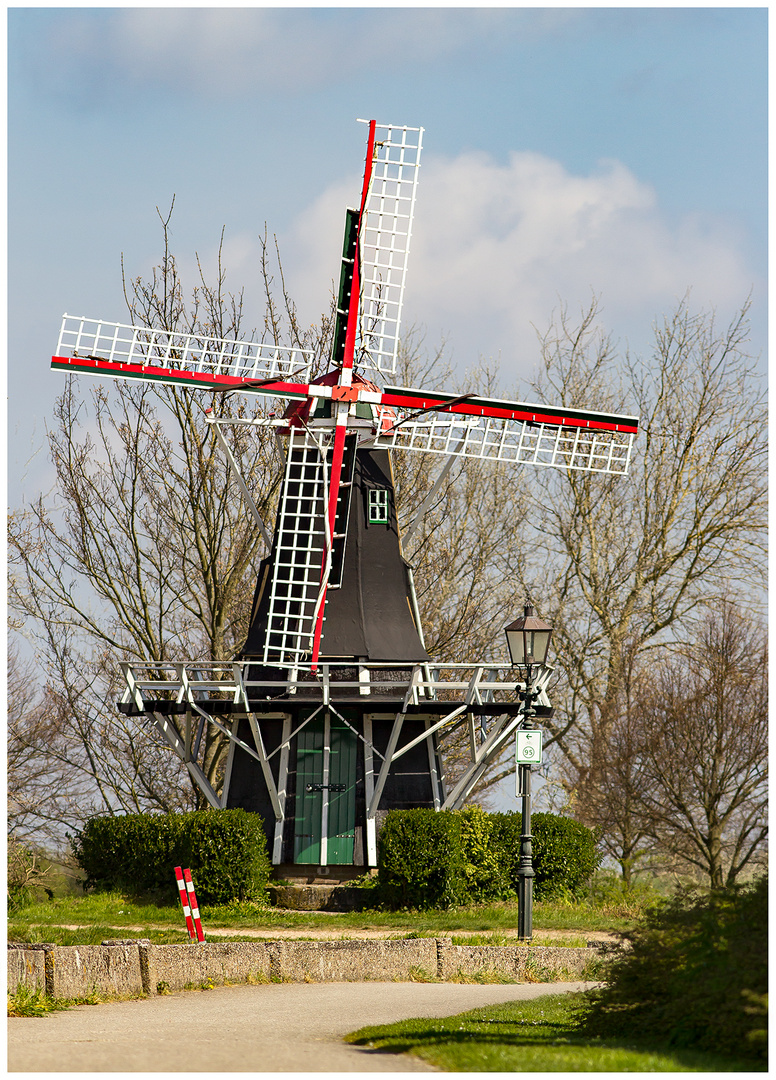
x=528, y=639
x=525, y=870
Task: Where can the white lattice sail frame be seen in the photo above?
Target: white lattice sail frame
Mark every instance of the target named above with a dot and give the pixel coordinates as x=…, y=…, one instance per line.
x=385, y=243
x=514, y=441
x=121, y=343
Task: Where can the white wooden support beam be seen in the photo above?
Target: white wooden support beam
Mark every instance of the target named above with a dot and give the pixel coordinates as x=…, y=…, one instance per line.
x=229, y=764
x=269, y=779
x=169, y=732
x=196, y=773
x=203, y=784
x=369, y=788
x=324, y=849
x=187, y=736
x=488, y=751
x=411, y=695
x=277, y=843
x=432, y=766
x=472, y=736
x=386, y=765
x=225, y=731
x=184, y=692
x=415, y=609
x=286, y=741
x=240, y=693
x=132, y=693
x=357, y=733
x=430, y=731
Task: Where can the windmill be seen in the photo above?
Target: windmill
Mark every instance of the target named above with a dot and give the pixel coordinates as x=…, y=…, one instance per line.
x=333, y=709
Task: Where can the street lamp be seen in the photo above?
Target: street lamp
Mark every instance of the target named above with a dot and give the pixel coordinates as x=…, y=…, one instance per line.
x=528, y=641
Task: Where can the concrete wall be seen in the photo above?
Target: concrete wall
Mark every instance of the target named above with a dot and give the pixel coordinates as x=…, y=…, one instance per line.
x=26, y=967
x=123, y=968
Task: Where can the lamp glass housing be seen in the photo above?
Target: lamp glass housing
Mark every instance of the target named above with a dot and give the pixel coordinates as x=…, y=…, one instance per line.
x=528, y=639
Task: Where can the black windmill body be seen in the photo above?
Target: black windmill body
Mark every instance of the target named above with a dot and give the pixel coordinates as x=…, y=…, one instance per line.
x=370, y=629
x=333, y=708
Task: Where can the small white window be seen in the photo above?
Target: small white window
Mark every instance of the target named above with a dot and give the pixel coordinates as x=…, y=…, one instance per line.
x=378, y=506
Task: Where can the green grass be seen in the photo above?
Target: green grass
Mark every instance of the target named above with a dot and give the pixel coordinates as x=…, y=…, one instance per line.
x=104, y=915
x=607, y=907
x=26, y=1002
x=532, y=1036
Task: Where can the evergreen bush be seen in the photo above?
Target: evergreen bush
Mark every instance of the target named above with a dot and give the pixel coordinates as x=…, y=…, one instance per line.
x=565, y=852
x=429, y=858
x=226, y=851
x=420, y=859
x=696, y=975
x=484, y=868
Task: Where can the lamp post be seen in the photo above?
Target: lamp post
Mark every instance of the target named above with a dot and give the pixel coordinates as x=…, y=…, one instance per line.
x=528, y=641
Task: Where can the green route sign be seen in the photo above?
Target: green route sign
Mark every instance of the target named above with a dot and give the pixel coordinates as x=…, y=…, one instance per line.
x=528, y=747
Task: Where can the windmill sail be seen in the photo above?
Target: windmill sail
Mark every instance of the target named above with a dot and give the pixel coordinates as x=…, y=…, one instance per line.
x=120, y=350
x=301, y=547
x=306, y=559
x=384, y=243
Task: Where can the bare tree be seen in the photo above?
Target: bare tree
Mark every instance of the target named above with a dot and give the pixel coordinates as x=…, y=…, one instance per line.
x=703, y=723
x=149, y=552
x=630, y=559
x=33, y=791
x=614, y=801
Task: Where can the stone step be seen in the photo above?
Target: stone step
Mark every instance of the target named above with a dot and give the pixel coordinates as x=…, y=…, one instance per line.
x=319, y=897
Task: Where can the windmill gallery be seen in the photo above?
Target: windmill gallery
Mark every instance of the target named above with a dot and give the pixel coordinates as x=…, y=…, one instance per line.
x=333, y=708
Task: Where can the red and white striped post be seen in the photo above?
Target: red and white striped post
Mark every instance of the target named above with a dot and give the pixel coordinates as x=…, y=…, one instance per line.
x=194, y=905
x=183, y=891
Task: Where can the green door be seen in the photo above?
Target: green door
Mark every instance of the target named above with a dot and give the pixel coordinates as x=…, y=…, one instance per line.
x=325, y=811
x=342, y=804
x=309, y=773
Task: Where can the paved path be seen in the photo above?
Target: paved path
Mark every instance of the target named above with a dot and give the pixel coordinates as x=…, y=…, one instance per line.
x=283, y=1027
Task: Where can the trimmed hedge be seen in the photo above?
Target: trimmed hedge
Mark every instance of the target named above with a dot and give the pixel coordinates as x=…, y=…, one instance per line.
x=695, y=976
x=226, y=851
x=429, y=858
x=565, y=852
x=420, y=859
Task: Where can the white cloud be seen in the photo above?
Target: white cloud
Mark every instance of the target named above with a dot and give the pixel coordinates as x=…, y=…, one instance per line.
x=234, y=52
x=496, y=247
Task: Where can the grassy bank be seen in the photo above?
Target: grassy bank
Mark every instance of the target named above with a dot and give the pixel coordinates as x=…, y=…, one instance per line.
x=102, y=915
x=533, y=1036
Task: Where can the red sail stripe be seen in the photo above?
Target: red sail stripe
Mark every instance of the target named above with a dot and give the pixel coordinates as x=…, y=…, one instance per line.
x=397, y=398
x=508, y=411
x=355, y=292
x=201, y=380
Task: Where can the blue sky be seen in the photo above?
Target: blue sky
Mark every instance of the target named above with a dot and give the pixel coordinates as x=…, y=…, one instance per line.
x=615, y=150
